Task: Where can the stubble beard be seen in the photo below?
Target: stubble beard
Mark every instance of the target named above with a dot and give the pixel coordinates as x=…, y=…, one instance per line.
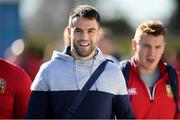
x=83, y=53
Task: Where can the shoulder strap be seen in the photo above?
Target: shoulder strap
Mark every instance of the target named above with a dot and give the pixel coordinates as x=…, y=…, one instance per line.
x=174, y=84
x=81, y=95
x=125, y=67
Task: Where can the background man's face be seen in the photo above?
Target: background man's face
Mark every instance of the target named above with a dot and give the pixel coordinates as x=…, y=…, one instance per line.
x=148, y=51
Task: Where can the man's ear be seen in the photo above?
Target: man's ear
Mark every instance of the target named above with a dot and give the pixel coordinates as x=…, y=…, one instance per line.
x=98, y=34
x=68, y=30
x=134, y=44
x=69, y=34
x=66, y=37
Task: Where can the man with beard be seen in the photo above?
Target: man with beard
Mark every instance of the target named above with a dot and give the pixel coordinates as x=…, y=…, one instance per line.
x=61, y=80
x=153, y=85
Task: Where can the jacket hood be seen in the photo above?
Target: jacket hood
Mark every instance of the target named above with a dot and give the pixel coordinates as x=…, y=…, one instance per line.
x=67, y=57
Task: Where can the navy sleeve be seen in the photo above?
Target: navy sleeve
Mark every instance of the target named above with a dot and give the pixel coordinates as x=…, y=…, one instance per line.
x=39, y=105
x=122, y=107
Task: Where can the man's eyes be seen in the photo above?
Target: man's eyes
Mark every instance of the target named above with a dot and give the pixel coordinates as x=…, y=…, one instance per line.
x=91, y=31
x=148, y=46
x=77, y=30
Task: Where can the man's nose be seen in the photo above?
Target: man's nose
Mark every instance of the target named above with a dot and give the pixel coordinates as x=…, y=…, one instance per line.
x=152, y=51
x=84, y=36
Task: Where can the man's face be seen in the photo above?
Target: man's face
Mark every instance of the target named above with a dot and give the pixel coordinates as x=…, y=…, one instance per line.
x=148, y=51
x=83, y=34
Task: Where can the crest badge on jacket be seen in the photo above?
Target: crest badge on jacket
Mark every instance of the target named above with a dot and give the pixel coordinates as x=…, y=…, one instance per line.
x=169, y=91
x=2, y=86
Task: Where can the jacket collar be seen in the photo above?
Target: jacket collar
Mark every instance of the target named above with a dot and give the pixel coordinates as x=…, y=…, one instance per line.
x=66, y=55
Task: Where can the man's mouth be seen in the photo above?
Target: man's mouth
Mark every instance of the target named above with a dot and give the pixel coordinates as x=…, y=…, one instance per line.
x=150, y=60
x=83, y=44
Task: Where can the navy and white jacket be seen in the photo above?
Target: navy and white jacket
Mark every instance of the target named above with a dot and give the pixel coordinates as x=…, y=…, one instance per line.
x=59, y=80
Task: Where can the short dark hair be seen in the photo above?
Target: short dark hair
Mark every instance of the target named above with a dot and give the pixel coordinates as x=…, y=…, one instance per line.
x=84, y=11
x=152, y=27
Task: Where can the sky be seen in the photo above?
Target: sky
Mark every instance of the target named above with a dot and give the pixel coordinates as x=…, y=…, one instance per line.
x=135, y=11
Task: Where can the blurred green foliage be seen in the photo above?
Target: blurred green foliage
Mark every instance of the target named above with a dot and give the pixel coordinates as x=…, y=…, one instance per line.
x=118, y=26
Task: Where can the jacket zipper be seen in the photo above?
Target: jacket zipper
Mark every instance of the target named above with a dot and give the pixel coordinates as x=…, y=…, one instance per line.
x=153, y=92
